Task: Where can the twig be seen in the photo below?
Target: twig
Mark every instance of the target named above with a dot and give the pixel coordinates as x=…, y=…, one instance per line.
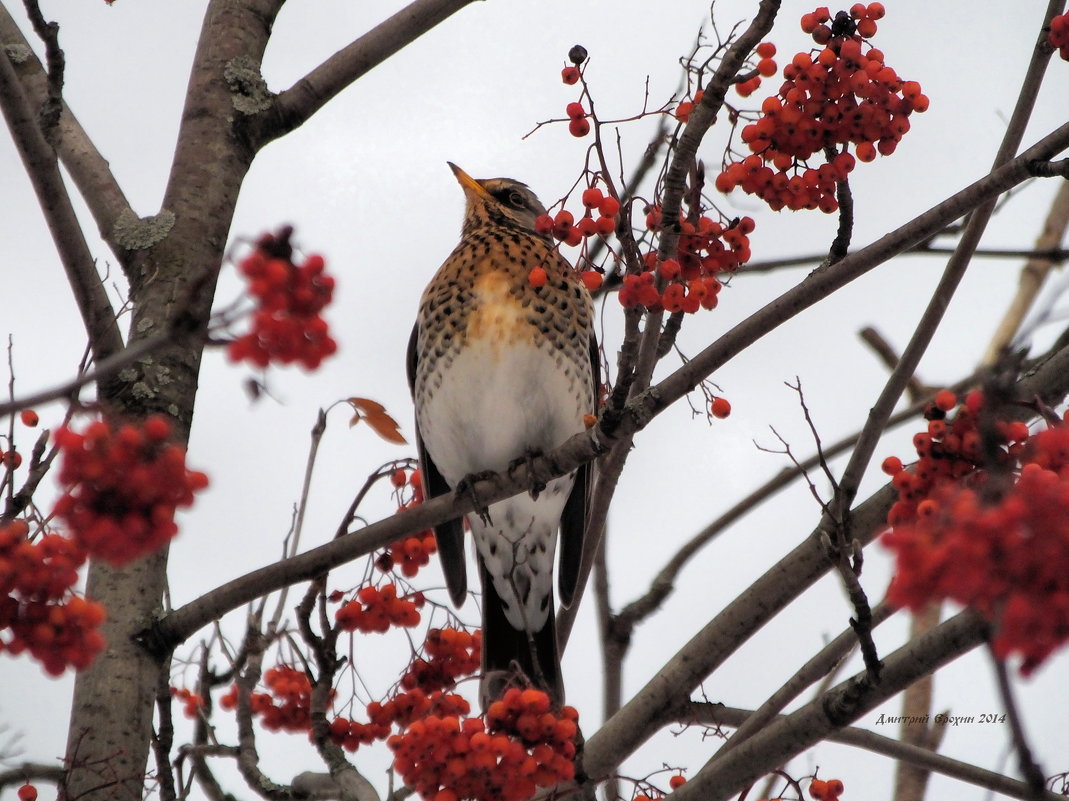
x=882, y=348
x=1033, y=776
x=840, y=246
x=1056, y=255
x=49, y=34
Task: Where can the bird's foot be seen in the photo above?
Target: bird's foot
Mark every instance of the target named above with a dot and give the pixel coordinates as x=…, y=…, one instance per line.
x=527, y=460
x=466, y=488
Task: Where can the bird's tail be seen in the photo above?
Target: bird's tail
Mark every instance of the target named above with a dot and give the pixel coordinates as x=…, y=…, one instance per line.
x=512, y=657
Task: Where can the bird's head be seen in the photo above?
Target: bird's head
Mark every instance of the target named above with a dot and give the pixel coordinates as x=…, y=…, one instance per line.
x=500, y=201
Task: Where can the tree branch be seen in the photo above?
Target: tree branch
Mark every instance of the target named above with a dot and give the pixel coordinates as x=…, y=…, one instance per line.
x=86, y=166
x=794, y=733
x=294, y=106
x=43, y=170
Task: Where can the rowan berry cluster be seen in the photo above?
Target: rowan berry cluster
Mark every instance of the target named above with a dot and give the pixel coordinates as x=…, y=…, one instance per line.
x=122, y=487
x=37, y=610
x=1058, y=36
x=829, y=790
x=376, y=609
x=948, y=451
x=689, y=282
x=578, y=122
x=411, y=553
x=192, y=703
x=287, y=704
x=997, y=542
x=830, y=98
x=564, y=227
x=766, y=68
x=521, y=746
x=286, y=324
x=450, y=654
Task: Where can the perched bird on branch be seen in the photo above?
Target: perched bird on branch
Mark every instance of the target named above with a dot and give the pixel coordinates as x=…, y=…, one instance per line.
x=504, y=367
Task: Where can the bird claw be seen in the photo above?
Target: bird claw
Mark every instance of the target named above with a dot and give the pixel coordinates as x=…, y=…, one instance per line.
x=466, y=487
x=527, y=460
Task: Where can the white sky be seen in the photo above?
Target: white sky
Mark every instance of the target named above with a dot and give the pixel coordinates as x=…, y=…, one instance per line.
x=365, y=183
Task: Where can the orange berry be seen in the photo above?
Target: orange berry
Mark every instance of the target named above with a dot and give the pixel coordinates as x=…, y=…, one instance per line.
x=591, y=279
x=609, y=207
x=537, y=277
x=677, y=781
x=29, y=418
x=720, y=407
x=945, y=400
x=766, y=50
x=27, y=793
x=592, y=197
x=892, y=465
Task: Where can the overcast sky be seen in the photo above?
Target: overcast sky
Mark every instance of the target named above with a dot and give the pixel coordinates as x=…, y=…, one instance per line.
x=366, y=184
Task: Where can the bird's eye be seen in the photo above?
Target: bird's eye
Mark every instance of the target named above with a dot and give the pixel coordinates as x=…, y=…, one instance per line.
x=516, y=200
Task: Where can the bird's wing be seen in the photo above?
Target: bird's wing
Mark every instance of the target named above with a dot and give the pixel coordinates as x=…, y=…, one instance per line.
x=450, y=534
x=573, y=522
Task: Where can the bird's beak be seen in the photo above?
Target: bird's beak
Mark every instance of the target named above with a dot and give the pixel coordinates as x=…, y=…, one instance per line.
x=470, y=186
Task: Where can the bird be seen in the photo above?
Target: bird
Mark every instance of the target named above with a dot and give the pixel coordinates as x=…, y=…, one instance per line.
x=502, y=370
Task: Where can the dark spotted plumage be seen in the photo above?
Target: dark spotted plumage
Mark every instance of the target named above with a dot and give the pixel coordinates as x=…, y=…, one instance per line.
x=501, y=370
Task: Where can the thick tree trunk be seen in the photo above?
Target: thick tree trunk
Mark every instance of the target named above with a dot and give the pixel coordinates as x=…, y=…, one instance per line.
x=172, y=262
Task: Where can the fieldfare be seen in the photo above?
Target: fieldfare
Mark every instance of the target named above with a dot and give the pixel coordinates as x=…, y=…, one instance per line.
x=502, y=370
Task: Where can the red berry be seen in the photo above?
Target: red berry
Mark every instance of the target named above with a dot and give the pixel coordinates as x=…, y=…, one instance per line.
x=579, y=127
x=575, y=111
x=570, y=75
x=720, y=408
x=609, y=207
x=945, y=400
x=29, y=418
x=537, y=277
x=27, y=793
x=592, y=197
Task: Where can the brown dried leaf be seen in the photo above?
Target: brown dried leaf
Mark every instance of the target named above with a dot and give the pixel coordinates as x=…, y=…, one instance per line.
x=375, y=415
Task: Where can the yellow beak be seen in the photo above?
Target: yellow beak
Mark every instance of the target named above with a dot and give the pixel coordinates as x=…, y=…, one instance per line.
x=467, y=183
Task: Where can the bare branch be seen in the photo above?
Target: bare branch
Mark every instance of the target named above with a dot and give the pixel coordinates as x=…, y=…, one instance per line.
x=790, y=735
x=40, y=161
x=294, y=106
x=86, y=166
